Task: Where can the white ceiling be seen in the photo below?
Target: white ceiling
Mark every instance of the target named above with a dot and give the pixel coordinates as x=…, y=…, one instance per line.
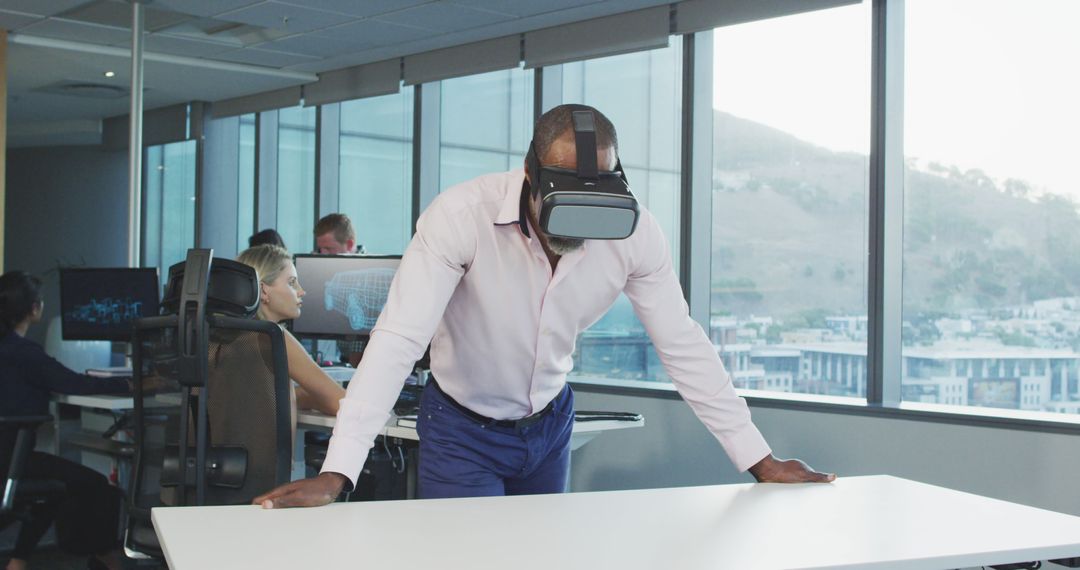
x=300, y=35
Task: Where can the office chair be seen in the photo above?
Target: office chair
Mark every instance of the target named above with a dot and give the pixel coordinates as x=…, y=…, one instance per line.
x=22, y=495
x=226, y=436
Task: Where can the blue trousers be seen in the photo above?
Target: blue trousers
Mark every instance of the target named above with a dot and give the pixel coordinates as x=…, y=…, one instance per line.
x=464, y=457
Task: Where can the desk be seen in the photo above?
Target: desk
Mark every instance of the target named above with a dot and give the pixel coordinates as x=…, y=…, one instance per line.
x=878, y=522
x=108, y=402
x=90, y=428
x=87, y=438
x=584, y=432
x=113, y=403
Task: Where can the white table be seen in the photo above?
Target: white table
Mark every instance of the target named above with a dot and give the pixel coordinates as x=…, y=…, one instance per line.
x=879, y=522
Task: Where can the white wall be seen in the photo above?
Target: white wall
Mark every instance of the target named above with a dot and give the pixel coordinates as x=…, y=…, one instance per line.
x=675, y=449
x=64, y=206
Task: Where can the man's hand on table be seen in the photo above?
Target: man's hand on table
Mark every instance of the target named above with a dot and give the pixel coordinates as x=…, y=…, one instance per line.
x=313, y=492
x=773, y=470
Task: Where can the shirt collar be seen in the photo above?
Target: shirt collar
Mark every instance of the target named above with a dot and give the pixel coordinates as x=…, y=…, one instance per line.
x=515, y=207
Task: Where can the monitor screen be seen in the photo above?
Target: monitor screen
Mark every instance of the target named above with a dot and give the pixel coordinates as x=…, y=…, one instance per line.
x=345, y=293
x=101, y=303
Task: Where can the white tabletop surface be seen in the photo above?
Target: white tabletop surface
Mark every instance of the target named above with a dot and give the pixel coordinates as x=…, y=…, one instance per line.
x=98, y=401
x=311, y=418
x=879, y=522
x=114, y=402
x=584, y=432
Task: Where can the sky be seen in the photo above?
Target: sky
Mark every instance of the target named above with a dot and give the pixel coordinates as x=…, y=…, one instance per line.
x=989, y=84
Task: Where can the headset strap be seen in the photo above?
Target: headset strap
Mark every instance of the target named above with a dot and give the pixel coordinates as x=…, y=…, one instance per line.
x=532, y=166
x=585, y=140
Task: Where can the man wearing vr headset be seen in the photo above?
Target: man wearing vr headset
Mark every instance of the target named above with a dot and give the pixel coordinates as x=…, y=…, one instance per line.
x=502, y=275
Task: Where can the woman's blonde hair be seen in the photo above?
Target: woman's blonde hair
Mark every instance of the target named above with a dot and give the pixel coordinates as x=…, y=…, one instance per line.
x=268, y=260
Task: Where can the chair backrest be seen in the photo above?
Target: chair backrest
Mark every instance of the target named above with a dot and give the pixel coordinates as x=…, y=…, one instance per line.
x=156, y=426
x=248, y=403
x=222, y=433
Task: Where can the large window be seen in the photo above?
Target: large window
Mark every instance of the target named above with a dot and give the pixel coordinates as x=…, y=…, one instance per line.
x=375, y=185
x=989, y=222
x=991, y=229
x=485, y=123
x=791, y=124
x=169, y=202
x=296, y=178
x=245, y=183
x=641, y=94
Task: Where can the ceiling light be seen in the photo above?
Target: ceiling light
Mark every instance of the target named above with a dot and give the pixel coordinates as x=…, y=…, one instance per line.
x=197, y=62
x=110, y=73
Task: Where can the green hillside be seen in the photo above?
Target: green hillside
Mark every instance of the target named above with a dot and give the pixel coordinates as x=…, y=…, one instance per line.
x=790, y=232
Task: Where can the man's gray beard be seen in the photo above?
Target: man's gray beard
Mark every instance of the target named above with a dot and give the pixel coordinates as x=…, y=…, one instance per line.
x=563, y=246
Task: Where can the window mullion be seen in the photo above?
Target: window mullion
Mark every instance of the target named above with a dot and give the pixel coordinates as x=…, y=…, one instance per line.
x=885, y=279
x=695, y=249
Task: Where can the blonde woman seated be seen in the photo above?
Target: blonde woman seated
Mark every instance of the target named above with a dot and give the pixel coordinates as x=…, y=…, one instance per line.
x=280, y=300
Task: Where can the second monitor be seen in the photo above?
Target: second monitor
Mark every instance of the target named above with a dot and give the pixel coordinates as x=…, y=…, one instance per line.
x=345, y=293
x=101, y=303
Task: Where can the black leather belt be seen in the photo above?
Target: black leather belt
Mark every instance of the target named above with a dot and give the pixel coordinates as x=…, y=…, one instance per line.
x=515, y=424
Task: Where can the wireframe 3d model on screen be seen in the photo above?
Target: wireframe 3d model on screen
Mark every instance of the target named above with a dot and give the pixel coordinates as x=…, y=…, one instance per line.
x=345, y=293
x=359, y=295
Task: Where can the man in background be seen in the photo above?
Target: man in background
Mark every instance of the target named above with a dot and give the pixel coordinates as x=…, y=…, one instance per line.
x=334, y=235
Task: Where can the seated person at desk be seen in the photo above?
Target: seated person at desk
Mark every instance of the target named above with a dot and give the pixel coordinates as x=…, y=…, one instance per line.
x=88, y=514
x=280, y=297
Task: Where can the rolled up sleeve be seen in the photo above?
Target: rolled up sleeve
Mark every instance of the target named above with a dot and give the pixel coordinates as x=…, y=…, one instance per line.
x=430, y=270
x=688, y=355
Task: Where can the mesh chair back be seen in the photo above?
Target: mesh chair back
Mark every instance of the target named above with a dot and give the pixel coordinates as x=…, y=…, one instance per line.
x=248, y=429
x=157, y=419
x=248, y=404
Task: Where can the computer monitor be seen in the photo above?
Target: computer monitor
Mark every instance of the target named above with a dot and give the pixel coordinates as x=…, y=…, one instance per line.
x=101, y=303
x=345, y=293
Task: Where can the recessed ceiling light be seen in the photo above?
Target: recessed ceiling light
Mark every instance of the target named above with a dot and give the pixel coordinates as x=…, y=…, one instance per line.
x=110, y=73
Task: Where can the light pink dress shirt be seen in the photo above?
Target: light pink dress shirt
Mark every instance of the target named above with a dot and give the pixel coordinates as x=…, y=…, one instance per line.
x=504, y=326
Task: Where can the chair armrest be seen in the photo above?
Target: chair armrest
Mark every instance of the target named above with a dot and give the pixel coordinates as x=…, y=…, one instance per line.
x=25, y=426
x=24, y=421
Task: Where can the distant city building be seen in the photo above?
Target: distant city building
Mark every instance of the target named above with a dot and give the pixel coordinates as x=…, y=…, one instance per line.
x=804, y=336
x=974, y=374
x=953, y=327
x=853, y=328
x=1022, y=358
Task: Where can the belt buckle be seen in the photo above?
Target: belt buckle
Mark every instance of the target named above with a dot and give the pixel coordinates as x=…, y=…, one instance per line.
x=530, y=420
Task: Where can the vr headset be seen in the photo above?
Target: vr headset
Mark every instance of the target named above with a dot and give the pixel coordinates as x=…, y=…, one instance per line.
x=587, y=203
